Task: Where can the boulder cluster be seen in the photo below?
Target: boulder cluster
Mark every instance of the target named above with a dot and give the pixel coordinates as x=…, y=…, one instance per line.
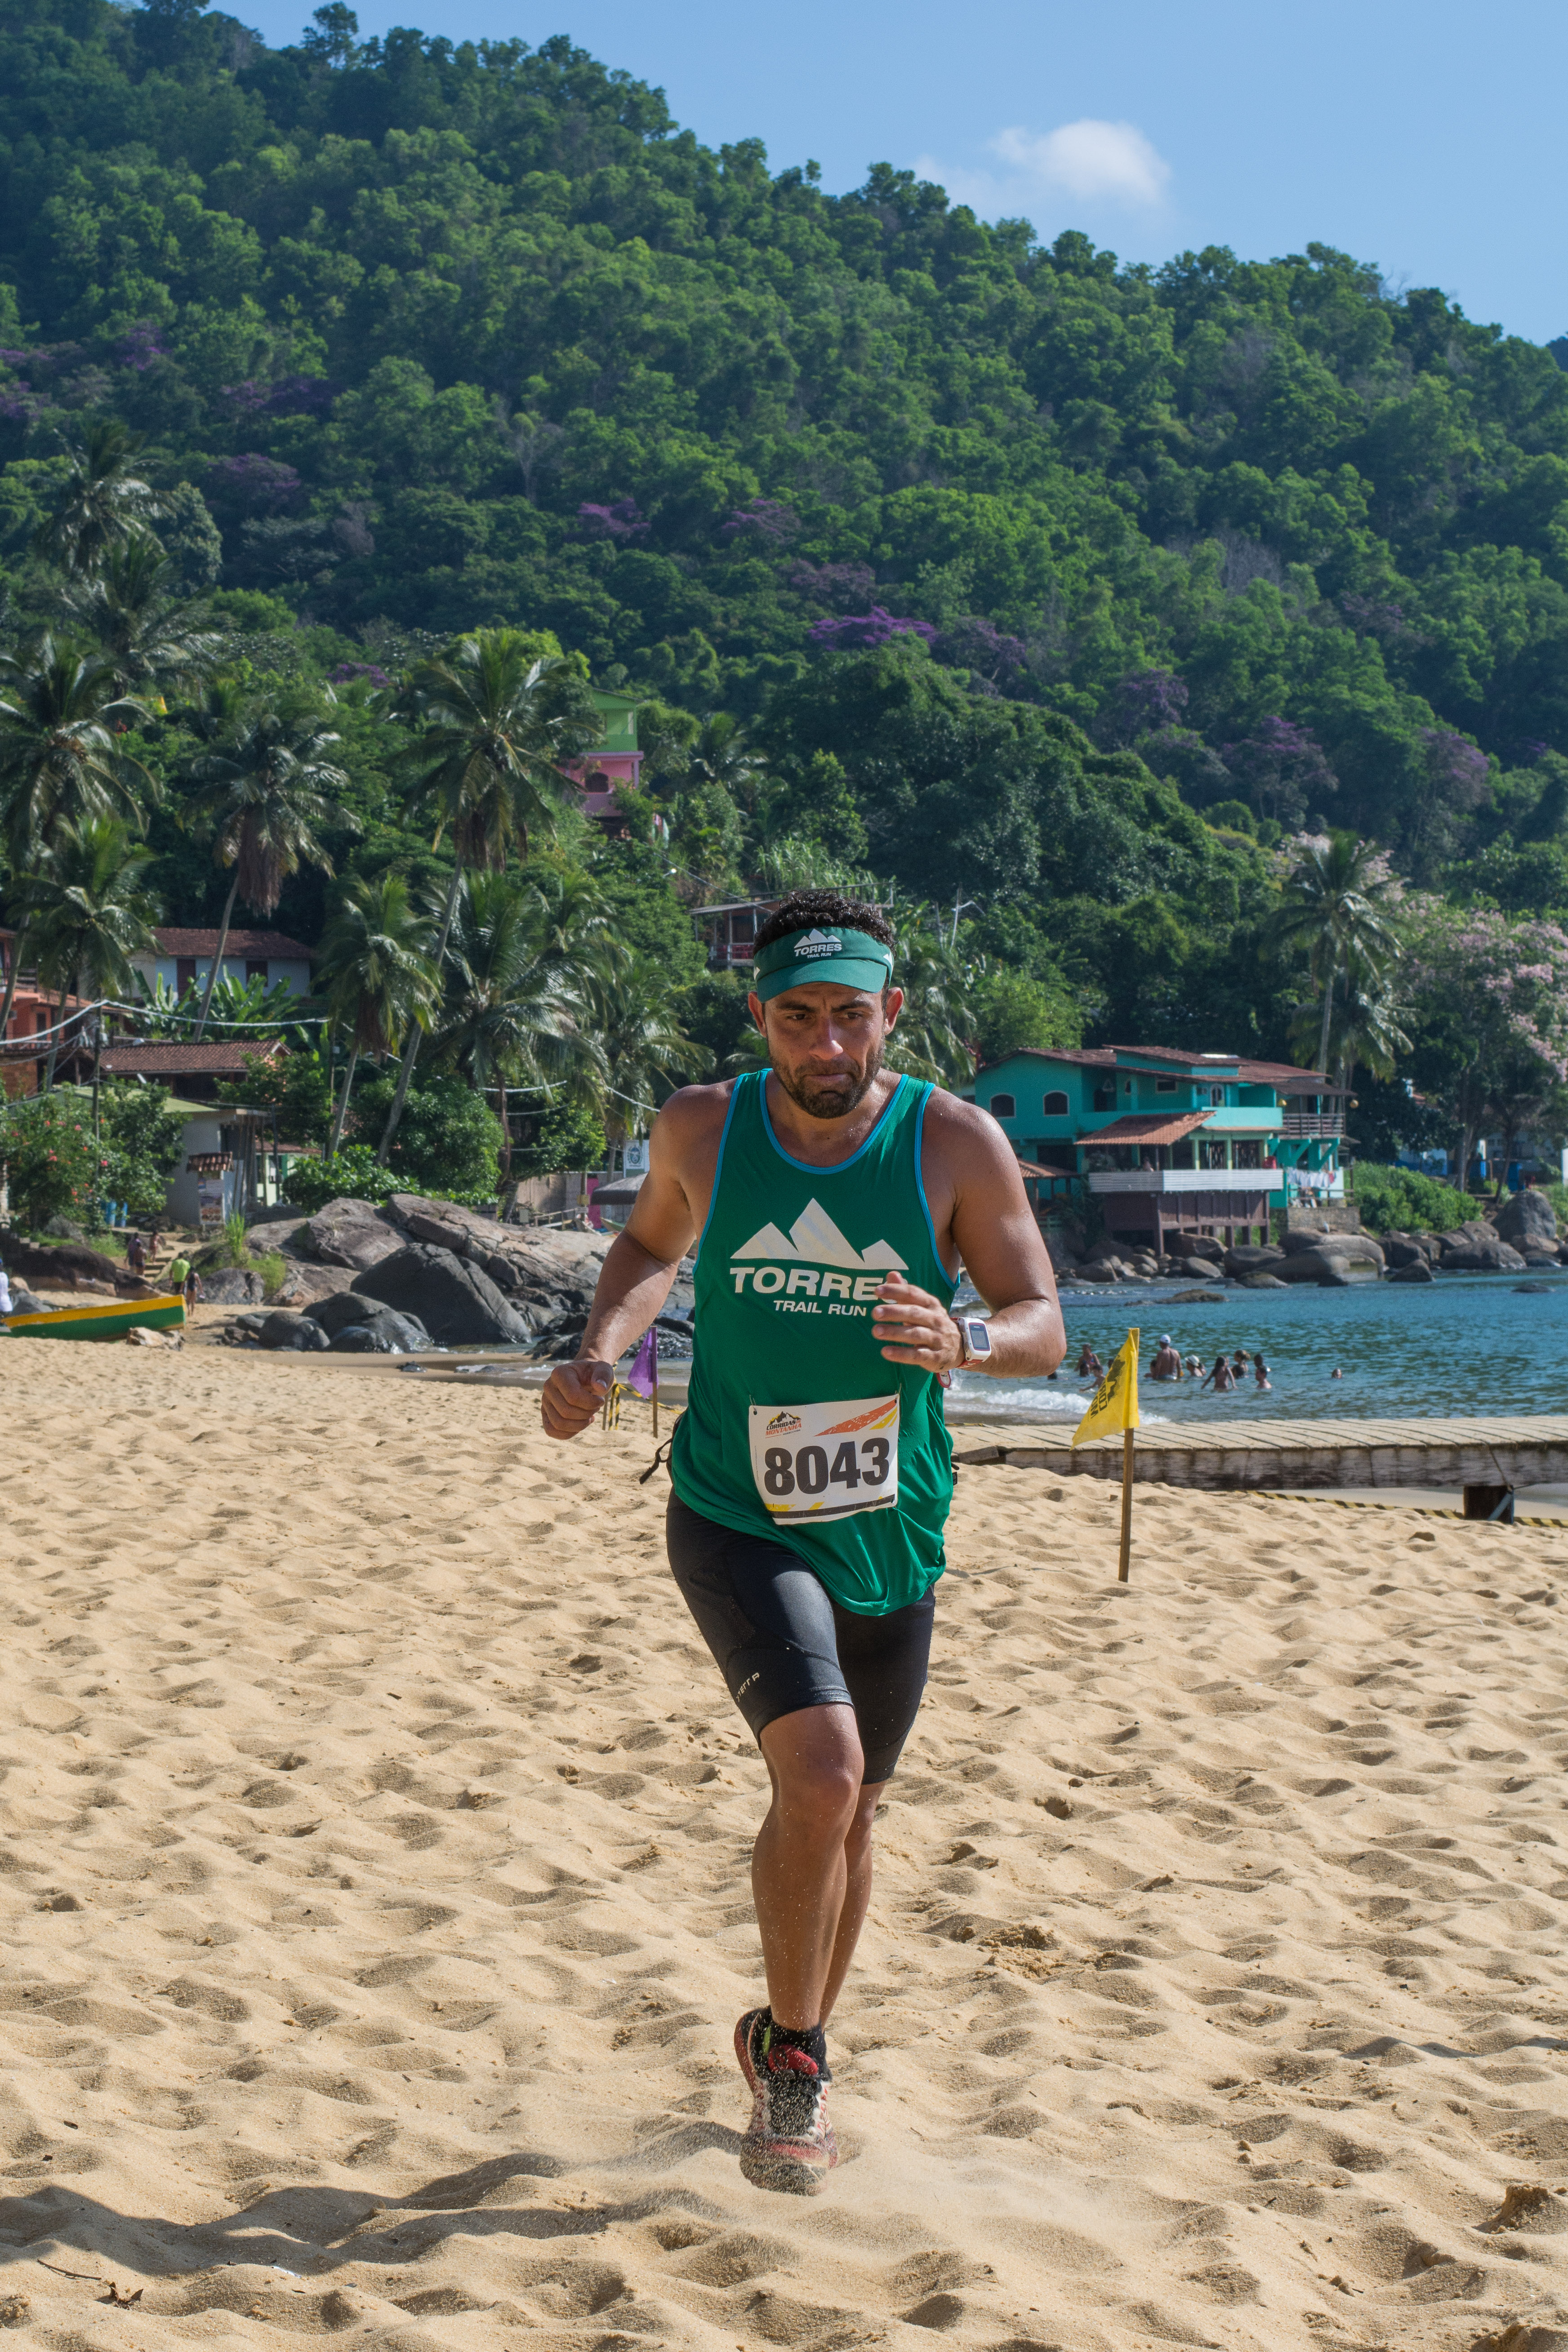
x=1521, y=1235
x=414, y=1273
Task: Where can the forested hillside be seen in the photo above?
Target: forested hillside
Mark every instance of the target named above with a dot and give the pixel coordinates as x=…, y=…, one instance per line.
x=1056, y=584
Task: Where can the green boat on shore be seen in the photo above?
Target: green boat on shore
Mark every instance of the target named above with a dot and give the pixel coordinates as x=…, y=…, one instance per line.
x=108, y=1320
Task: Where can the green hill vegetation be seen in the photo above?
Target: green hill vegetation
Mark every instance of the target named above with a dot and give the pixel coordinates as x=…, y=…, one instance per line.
x=1053, y=591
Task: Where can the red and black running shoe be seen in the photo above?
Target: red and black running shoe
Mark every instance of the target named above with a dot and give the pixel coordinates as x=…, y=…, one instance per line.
x=788, y=2144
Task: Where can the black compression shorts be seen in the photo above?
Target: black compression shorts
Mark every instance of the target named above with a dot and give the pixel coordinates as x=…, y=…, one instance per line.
x=783, y=1642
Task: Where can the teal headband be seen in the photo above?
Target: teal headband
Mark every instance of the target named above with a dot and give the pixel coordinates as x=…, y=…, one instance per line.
x=853, y=959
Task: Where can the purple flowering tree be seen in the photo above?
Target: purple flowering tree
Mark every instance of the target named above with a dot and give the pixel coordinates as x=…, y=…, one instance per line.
x=252, y=481
x=767, y=518
x=1494, y=989
x=139, y=347
x=977, y=645
x=1147, y=700
x=292, y=395
x=346, y=672
x=622, y=521
x=841, y=585
x=1461, y=772
x=1277, y=767
x=859, y=632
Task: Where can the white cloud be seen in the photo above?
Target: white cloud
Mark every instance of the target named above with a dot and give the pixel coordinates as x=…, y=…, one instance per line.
x=1089, y=159
x=1086, y=161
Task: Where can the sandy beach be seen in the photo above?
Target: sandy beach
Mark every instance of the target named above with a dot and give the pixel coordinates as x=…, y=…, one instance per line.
x=376, y=1918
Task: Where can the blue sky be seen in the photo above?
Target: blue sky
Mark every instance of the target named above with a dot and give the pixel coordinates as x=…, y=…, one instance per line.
x=1417, y=134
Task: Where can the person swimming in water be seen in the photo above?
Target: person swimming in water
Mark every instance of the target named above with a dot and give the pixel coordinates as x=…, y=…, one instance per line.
x=1336, y=1374
x=1261, y=1371
x=1223, y=1378
x=1194, y=1368
x=1090, y=1367
x=1167, y=1363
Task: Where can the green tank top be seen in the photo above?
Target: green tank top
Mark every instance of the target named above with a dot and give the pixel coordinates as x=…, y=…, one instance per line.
x=796, y=1427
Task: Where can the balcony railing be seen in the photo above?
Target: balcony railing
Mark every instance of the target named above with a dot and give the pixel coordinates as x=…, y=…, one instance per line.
x=1251, y=1181
x=725, y=952
x=1312, y=1126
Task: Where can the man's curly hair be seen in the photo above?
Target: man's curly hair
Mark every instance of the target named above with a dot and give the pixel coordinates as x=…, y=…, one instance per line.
x=806, y=910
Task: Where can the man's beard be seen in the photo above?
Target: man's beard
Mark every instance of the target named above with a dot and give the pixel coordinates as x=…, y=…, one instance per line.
x=822, y=1102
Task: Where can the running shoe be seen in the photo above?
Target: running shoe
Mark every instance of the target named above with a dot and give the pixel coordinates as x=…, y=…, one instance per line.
x=788, y=2145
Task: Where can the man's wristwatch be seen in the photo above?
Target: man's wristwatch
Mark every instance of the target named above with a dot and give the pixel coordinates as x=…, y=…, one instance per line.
x=974, y=1338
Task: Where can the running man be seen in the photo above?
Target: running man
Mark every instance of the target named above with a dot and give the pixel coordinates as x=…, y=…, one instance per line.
x=835, y=1202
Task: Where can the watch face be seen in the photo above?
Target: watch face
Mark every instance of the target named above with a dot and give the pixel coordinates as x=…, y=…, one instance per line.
x=978, y=1335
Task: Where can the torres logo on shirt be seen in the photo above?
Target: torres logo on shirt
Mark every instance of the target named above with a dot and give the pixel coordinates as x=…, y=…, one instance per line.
x=811, y=1264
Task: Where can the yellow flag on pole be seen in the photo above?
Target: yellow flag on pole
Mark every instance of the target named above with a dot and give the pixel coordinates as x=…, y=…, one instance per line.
x=1115, y=1405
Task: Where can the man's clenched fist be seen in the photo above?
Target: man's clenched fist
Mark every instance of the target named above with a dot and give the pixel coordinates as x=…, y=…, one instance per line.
x=573, y=1395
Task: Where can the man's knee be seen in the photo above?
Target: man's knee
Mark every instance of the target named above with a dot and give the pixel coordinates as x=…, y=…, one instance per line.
x=819, y=1768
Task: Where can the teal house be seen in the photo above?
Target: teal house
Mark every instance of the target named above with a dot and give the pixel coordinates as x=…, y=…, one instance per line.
x=1169, y=1143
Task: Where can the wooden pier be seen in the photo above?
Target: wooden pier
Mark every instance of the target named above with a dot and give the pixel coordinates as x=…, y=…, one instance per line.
x=1488, y=1459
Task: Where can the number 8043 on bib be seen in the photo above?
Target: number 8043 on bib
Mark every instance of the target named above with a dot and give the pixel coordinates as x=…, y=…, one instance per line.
x=825, y=1461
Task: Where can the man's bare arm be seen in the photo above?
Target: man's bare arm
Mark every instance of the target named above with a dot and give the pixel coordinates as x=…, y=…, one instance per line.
x=639, y=1267
x=994, y=1232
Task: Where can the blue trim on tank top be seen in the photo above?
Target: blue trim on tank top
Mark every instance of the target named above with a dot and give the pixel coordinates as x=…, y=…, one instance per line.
x=809, y=1167
x=718, y=1167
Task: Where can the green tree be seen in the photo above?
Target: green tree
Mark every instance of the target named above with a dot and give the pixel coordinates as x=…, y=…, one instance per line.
x=495, y=723
x=514, y=1010
x=933, y=1037
x=143, y=1144
x=128, y=603
x=1014, y=1009
x=263, y=793
x=61, y=711
x=297, y=1084
x=53, y=1167
x=646, y=1052
x=105, y=503
x=448, y=1141
x=1340, y=906
x=377, y=973
x=87, y=912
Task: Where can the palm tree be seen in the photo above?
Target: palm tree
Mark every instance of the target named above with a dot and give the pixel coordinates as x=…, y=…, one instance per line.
x=515, y=1005
x=129, y=605
x=263, y=791
x=938, y=1019
x=1339, y=905
x=646, y=1052
x=377, y=973
x=88, y=913
x=497, y=726
x=61, y=711
x=722, y=755
x=104, y=503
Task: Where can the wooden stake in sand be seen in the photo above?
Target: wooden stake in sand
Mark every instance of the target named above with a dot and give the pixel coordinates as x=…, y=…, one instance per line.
x=1114, y=1407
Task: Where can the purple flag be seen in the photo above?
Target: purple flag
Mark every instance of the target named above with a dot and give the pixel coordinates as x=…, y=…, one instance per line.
x=644, y=1374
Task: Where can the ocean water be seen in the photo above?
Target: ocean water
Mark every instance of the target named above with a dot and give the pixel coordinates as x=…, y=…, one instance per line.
x=1465, y=1344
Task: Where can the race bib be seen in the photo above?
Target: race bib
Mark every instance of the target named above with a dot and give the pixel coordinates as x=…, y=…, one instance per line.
x=824, y=1461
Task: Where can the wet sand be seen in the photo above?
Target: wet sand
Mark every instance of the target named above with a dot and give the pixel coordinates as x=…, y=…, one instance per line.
x=375, y=1914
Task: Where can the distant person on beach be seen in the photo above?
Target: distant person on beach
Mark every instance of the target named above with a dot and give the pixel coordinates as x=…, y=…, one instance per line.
x=1261, y=1369
x=1167, y=1363
x=136, y=1253
x=811, y=1466
x=6, y=1306
x=1090, y=1367
x=1223, y=1378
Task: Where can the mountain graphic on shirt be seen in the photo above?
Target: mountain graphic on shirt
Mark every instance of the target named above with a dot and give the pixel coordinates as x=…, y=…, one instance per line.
x=815, y=1240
